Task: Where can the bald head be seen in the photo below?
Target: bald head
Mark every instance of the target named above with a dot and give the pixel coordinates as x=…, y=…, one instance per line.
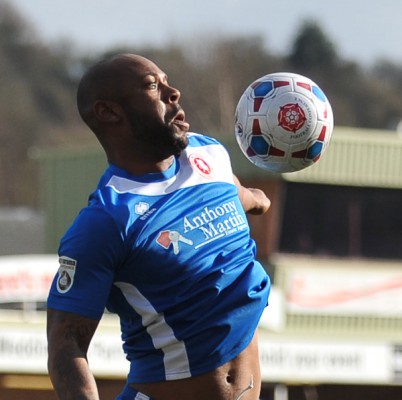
x=134, y=112
x=105, y=81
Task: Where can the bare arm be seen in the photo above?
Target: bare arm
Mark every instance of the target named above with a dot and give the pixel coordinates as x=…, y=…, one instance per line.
x=254, y=201
x=69, y=336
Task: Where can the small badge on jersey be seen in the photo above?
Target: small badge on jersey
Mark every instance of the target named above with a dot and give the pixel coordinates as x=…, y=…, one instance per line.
x=141, y=208
x=66, y=274
x=201, y=165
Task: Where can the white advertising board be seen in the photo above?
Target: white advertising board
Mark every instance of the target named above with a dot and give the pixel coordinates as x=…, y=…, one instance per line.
x=25, y=351
x=347, y=288
x=26, y=277
x=289, y=361
x=329, y=362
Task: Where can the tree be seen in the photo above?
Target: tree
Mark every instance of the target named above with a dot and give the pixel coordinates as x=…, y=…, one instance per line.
x=312, y=50
x=37, y=105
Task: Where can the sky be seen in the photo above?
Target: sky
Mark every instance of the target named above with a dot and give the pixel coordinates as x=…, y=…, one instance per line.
x=361, y=30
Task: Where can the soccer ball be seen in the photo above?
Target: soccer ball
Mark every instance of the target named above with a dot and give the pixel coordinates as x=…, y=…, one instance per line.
x=283, y=122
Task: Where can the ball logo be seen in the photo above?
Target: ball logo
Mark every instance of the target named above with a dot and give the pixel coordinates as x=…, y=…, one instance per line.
x=291, y=117
x=201, y=165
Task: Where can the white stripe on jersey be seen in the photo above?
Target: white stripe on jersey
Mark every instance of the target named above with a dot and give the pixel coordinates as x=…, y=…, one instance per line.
x=141, y=396
x=175, y=354
x=187, y=175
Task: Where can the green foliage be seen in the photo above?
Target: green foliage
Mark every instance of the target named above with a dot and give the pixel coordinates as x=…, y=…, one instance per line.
x=37, y=106
x=312, y=50
x=38, y=83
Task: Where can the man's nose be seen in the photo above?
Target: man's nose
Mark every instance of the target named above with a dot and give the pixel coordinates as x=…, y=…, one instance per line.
x=172, y=94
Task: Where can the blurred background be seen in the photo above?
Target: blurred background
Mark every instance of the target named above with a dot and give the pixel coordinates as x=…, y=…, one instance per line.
x=333, y=239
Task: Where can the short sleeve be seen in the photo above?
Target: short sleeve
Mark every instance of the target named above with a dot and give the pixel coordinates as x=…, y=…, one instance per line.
x=89, y=254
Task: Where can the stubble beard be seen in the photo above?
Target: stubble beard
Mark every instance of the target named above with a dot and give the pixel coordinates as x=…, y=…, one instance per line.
x=161, y=140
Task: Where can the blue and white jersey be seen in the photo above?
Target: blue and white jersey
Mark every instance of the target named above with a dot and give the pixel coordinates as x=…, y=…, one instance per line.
x=171, y=254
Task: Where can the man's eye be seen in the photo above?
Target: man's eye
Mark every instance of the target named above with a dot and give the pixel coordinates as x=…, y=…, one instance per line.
x=153, y=85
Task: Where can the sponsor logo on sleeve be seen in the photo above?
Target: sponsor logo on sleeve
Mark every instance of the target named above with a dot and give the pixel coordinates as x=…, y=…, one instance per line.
x=66, y=273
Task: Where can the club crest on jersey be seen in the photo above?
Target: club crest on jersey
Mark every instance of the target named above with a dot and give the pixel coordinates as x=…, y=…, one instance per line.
x=201, y=165
x=167, y=238
x=66, y=273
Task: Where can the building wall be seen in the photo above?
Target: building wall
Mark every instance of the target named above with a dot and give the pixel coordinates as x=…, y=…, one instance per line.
x=22, y=231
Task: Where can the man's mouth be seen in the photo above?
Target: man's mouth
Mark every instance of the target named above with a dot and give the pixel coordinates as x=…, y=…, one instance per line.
x=180, y=120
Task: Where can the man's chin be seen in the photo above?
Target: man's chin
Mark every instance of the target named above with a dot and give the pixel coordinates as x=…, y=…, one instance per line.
x=181, y=142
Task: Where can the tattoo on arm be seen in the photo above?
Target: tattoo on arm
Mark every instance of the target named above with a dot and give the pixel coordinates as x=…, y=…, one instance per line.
x=69, y=336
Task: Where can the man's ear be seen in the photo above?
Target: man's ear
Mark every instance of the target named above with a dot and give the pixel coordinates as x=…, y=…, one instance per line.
x=107, y=111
